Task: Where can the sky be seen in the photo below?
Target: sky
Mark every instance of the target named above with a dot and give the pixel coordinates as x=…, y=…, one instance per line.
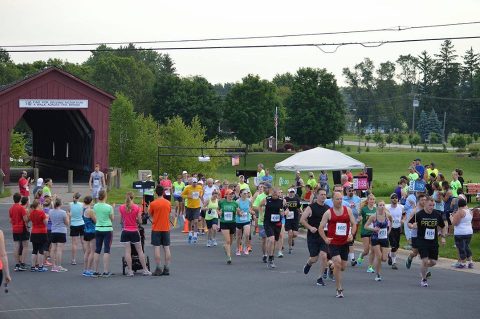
x=63, y=21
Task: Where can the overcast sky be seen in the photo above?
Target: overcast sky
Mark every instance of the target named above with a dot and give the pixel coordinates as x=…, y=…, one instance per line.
x=67, y=21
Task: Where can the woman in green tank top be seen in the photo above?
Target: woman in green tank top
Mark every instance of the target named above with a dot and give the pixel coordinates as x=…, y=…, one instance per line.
x=103, y=233
x=211, y=218
x=368, y=209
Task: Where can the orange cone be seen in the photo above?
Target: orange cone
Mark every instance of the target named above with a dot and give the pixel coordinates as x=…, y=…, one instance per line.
x=185, y=226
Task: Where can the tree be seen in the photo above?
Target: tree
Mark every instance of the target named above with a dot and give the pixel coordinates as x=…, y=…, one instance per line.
x=459, y=141
x=423, y=126
x=399, y=138
x=368, y=137
x=18, y=144
x=249, y=109
x=315, y=109
x=147, y=135
x=389, y=139
x=413, y=140
x=475, y=136
x=434, y=124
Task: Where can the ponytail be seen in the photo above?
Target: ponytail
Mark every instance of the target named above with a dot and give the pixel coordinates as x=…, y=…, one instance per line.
x=129, y=201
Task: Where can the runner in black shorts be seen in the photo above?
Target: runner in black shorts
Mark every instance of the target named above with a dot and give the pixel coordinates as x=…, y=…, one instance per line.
x=274, y=209
x=227, y=212
x=311, y=218
x=292, y=217
x=421, y=200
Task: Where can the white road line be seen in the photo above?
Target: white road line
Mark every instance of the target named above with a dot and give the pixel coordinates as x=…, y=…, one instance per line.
x=66, y=307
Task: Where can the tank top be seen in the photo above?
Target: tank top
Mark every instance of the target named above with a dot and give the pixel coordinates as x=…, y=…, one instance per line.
x=102, y=212
x=76, y=211
x=211, y=212
x=89, y=226
x=383, y=226
x=315, y=218
x=299, y=187
x=244, y=206
x=396, y=213
x=272, y=210
x=339, y=227
x=464, y=227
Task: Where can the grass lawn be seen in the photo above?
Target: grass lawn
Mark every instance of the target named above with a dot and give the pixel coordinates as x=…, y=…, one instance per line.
x=6, y=193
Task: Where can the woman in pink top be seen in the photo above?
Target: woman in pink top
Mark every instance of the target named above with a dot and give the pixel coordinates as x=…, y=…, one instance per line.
x=131, y=217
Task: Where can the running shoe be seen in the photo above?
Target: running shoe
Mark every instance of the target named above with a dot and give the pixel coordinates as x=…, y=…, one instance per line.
x=166, y=271
x=238, y=252
x=209, y=243
x=95, y=274
x=390, y=260
x=86, y=273
x=461, y=266
x=470, y=265
x=54, y=269
x=146, y=272
x=339, y=294
x=42, y=269
x=130, y=274
x=320, y=282
x=47, y=263
x=107, y=275
x=353, y=262
x=74, y=262
x=61, y=269
x=359, y=261
x=378, y=278
x=272, y=264
x=264, y=259
x=17, y=267
x=424, y=283
x=429, y=274
x=214, y=242
x=408, y=262
x=394, y=266
x=455, y=264
x=229, y=260
x=245, y=251
x=280, y=254
x=306, y=268
x=325, y=273
x=157, y=272
x=370, y=270
x=22, y=267
x=195, y=238
x=33, y=269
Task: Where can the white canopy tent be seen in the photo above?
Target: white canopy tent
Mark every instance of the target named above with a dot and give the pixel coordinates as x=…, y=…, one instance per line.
x=318, y=159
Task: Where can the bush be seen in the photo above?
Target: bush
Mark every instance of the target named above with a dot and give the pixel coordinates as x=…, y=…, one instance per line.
x=367, y=149
x=474, y=151
x=349, y=148
x=288, y=147
x=399, y=138
x=475, y=136
x=458, y=141
x=435, y=138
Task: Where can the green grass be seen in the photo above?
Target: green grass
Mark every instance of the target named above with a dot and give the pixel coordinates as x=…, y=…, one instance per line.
x=6, y=193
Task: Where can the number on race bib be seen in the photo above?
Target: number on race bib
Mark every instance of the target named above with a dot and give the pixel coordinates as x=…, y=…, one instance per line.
x=290, y=215
x=275, y=218
x=396, y=223
x=195, y=195
x=429, y=234
x=228, y=216
x=382, y=233
x=244, y=218
x=341, y=229
x=167, y=192
x=177, y=193
x=96, y=182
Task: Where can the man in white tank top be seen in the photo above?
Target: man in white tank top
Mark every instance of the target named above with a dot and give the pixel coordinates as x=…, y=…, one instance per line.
x=398, y=215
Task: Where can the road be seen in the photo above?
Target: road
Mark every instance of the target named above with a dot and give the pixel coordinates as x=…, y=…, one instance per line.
x=394, y=145
x=201, y=285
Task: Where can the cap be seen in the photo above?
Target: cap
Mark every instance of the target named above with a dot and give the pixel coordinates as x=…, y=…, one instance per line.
x=200, y=182
x=149, y=175
x=298, y=172
x=194, y=180
x=228, y=192
x=165, y=174
x=77, y=195
x=40, y=181
x=394, y=195
x=184, y=172
x=418, y=159
x=291, y=190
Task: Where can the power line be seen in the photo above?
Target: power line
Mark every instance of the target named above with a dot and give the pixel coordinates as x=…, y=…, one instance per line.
x=366, y=44
x=388, y=29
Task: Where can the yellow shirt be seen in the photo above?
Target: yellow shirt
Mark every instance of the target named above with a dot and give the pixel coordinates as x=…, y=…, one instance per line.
x=244, y=186
x=193, y=194
x=435, y=171
x=312, y=182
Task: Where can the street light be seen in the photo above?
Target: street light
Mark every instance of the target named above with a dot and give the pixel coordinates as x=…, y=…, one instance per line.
x=359, y=137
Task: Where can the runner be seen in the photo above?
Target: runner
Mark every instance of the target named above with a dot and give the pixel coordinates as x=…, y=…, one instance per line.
x=19, y=220
x=47, y=205
x=88, y=236
x=60, y=221
x=379, y=225
x=47, y=189
x=38, y=236
x=274, y=209
x=340, y=220
x=178, y=187
x=103, y=234
x=211, y=218
x=4, y=270
x=242, y=220
x=310, y=219
x=292, y=217
x=207, y=194
x=414, y=232
x=166, y=183
x=299, y=184
x=132, y=216
x=409, y=206
x=257, y=199
x=426, y=222
x=160, y=211
x=463, y=232
x=77, y=226
x=242, y=184
x=23, y=184
x=193, y=194
x=227, y=212
x=96, y=182
x=398, y=216
x=368, y=209
x=354, y=204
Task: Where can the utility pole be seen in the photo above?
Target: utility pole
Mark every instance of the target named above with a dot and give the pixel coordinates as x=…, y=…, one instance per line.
x=444, y=120
x=415, y=104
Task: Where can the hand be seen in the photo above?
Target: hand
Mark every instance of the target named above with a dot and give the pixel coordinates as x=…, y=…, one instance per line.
x=443, y=241
x=328, y=241
x=313, y=230
x=414, y=226
x=8, y=279
x=350, y=238
x=376, y=229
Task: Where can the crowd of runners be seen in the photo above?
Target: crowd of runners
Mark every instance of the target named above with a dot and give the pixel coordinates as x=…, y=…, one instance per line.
x=333, y=221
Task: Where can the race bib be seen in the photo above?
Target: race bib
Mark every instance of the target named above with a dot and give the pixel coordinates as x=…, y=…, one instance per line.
x=195, y=195
x=244, y=218
x=341, y=229
x=210, y=212
x=167, y=192
x=429, y=234
x=396, y=223
x=177, y=193
x=382, y=233
x=228, y=216
x=275, y=218
x=413, y=233
x=96, y=182
x=326, y=227
x=290, y=215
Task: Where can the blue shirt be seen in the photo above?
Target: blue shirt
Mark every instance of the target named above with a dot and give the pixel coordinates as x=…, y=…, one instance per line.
x=353, y=203
x=268, y=179
x=244, y=206
x=329, y=202
x=420, y=169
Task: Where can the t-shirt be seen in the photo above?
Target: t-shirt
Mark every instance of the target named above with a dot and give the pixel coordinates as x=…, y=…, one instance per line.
x=23, y=186
x=396, y=213
x=353, y=204
x=455, y=186
x=420, y=169
x=312, y=182
x=129, y=218
x=429, y=171
x=97, y=179
x=293, y=205
x=76, y=211
x=194, y=193
x=167, y=185
x=207, y=192
x=46, y=191
x=413, y=176
x=229, y=211
x=366, y=213
x=178, y=188
x=58, y=217
x=244, y=206
x=439, y=205
x=102, y=213
x=427, y=225
x=160, y=210
x=16, y=213
x=211, y=212
x=256, y=204
x=273, y=207
x=37, y=217
x=260, y=176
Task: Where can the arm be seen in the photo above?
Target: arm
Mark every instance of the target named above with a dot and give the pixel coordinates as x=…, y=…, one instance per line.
x=368, y=224
x=3, y=257
x=66, y=219
x=90, y=182
x=112, y=217
x=303, y=220
x=455, y=218
x=352, y=224
x=414, y=224
x=325, y=219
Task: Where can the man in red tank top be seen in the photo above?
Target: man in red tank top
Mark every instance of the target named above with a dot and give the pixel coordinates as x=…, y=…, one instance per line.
x=341, y=225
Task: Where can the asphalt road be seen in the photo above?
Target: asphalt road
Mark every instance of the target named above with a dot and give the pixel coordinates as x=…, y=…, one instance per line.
x=202, y=285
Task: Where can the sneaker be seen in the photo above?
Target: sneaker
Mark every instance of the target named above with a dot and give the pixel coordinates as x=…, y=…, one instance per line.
x=408, y=262
x=238, y=253
x=272, y=264
x=54, y=269
x=289, y=251
x=107, y=275
x=157, y=272
x=359, y=261
x=209, y=243
x=47, y=263
x=325, y=273
x=280, y=254
x=229, y=260
x=130, y=274
x=146, y=272
x=378, y=278
x=245, y=251
x=166, y=271
x=370, y=270
x=429, y=274
x=306, y=268
x=461, y=266
x=339, y=294
x=214, y=242
x=61, y=269
x=470, y=265
x=320, y=282
x=42, y=269
x=17, y=267
x=195, y=238
x=74, y=262
x=33, y=269
x=95, y=274
x=353, y=262
x=390, y=260
x=394, y=266
x=264, y=259
x=22, y=267
x=86, y=273
x=189, y=240
x=455, y=264
x=424, y=283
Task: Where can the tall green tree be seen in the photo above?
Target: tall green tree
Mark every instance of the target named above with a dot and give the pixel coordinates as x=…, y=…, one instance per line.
x=316, y=112
x=423, y=126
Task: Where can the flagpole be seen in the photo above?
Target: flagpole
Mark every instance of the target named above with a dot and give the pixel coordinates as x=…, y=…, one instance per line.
x=276, y=128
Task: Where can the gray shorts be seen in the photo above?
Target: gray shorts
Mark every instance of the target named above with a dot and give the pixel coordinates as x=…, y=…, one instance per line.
x=95, y=192
x=192, y=213
x=160, y=238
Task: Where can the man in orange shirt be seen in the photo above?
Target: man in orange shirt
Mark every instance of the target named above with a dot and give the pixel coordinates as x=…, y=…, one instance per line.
x=160, y=210
x=194, y=195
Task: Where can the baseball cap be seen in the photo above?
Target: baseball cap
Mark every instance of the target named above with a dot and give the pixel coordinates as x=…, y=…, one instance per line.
x=77, y=195
x=393, y=195
x=40, y=181
x=165, y=174
x=228, y=192
x=184, y=172
x=418, y=159
x=200, y=182
x=291, y=190
x=194, y=180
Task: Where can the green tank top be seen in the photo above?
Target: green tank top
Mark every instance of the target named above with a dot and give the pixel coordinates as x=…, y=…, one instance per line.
x=102, y=212
x=261, y=213
x=212, y=208
x=366, y=213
